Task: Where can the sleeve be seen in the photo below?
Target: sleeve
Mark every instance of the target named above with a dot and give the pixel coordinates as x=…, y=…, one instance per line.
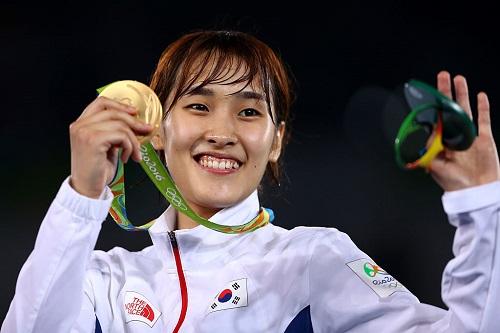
x=50, y=294
x=350, y=293
x=471, y=280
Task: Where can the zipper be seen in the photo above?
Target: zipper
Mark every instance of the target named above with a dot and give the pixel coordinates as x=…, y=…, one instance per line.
x=182, y=280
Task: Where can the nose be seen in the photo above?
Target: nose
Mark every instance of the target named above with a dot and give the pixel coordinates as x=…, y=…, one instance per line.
x=221, y=140
x=221, y=130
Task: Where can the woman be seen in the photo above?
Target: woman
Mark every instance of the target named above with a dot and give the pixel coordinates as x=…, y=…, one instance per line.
x=227, y=97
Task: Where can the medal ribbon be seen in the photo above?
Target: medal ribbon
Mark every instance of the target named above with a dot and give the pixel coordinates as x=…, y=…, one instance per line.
x=158, y=174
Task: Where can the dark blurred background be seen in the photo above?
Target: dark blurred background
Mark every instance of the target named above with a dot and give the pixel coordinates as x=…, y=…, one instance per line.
x=347, y=58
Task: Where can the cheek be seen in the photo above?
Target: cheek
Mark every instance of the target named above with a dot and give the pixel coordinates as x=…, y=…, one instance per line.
x=178, y=136
x=258, y=142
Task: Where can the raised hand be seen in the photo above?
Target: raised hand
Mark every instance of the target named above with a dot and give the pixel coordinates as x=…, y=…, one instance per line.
x=455, y=170
x=103, y=127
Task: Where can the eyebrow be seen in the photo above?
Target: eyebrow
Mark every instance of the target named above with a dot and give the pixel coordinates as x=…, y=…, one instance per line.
x=245, y=94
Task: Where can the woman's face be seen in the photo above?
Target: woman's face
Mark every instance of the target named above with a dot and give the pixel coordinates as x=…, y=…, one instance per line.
x=218, y=141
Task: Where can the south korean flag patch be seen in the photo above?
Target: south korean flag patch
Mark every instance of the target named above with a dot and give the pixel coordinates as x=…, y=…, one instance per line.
x=233, y=295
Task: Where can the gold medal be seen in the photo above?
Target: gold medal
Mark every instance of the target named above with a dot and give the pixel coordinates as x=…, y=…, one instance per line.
x=140, y=96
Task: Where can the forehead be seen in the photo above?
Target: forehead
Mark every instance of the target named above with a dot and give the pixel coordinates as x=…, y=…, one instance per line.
x=231, y=72
x=228, y=92
x=239, y=90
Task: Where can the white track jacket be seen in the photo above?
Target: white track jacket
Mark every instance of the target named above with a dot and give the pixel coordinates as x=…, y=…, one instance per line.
x=270, y=280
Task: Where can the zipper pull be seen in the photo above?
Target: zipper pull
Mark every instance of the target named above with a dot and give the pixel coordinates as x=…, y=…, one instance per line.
x=173, y=240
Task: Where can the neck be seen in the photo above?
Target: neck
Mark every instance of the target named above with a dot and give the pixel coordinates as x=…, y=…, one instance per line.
x=184, y=222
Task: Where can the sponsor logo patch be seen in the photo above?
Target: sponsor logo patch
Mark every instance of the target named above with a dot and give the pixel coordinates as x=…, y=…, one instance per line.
x=139, y=308
x=381, y=282
x=233, y=295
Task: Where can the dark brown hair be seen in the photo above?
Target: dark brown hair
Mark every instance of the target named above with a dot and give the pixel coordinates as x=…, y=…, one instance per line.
x=183, y=62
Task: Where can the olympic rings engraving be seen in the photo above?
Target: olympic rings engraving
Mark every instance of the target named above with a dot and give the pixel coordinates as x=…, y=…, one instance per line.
x=175, y=199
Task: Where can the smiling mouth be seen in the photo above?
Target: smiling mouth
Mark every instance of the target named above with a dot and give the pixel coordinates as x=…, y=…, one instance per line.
x=216, y=164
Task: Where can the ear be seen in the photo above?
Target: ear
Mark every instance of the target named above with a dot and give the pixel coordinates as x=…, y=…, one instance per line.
x=277, y=143
x=157, y=139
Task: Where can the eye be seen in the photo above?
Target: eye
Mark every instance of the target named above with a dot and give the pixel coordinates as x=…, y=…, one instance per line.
x=197, y=107
x=249, y=113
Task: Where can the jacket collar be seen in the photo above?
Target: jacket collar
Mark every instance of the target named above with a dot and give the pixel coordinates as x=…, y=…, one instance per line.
x=238, y=214
x=201, y=245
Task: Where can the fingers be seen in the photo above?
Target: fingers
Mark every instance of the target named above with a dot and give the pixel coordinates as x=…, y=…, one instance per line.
x=462, y=94
x=111, y=123
x=444, y=84
x=112, y=114
x=121, y=139
x=104, y=103
x=460, y=87
x=131, y=146
x=483, y=111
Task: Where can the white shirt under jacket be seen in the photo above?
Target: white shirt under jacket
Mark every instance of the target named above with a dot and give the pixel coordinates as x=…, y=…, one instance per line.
x=254, y=282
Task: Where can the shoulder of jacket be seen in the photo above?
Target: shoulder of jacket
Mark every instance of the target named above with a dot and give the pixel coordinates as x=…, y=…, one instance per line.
x=311, y=233
x=311, y=236
x=118, y=256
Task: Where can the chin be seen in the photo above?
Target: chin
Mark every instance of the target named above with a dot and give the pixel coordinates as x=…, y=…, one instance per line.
x=213, y=191
x=218, y=199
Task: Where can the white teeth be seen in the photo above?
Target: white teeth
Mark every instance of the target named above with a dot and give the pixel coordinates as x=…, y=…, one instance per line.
x=220, y=164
